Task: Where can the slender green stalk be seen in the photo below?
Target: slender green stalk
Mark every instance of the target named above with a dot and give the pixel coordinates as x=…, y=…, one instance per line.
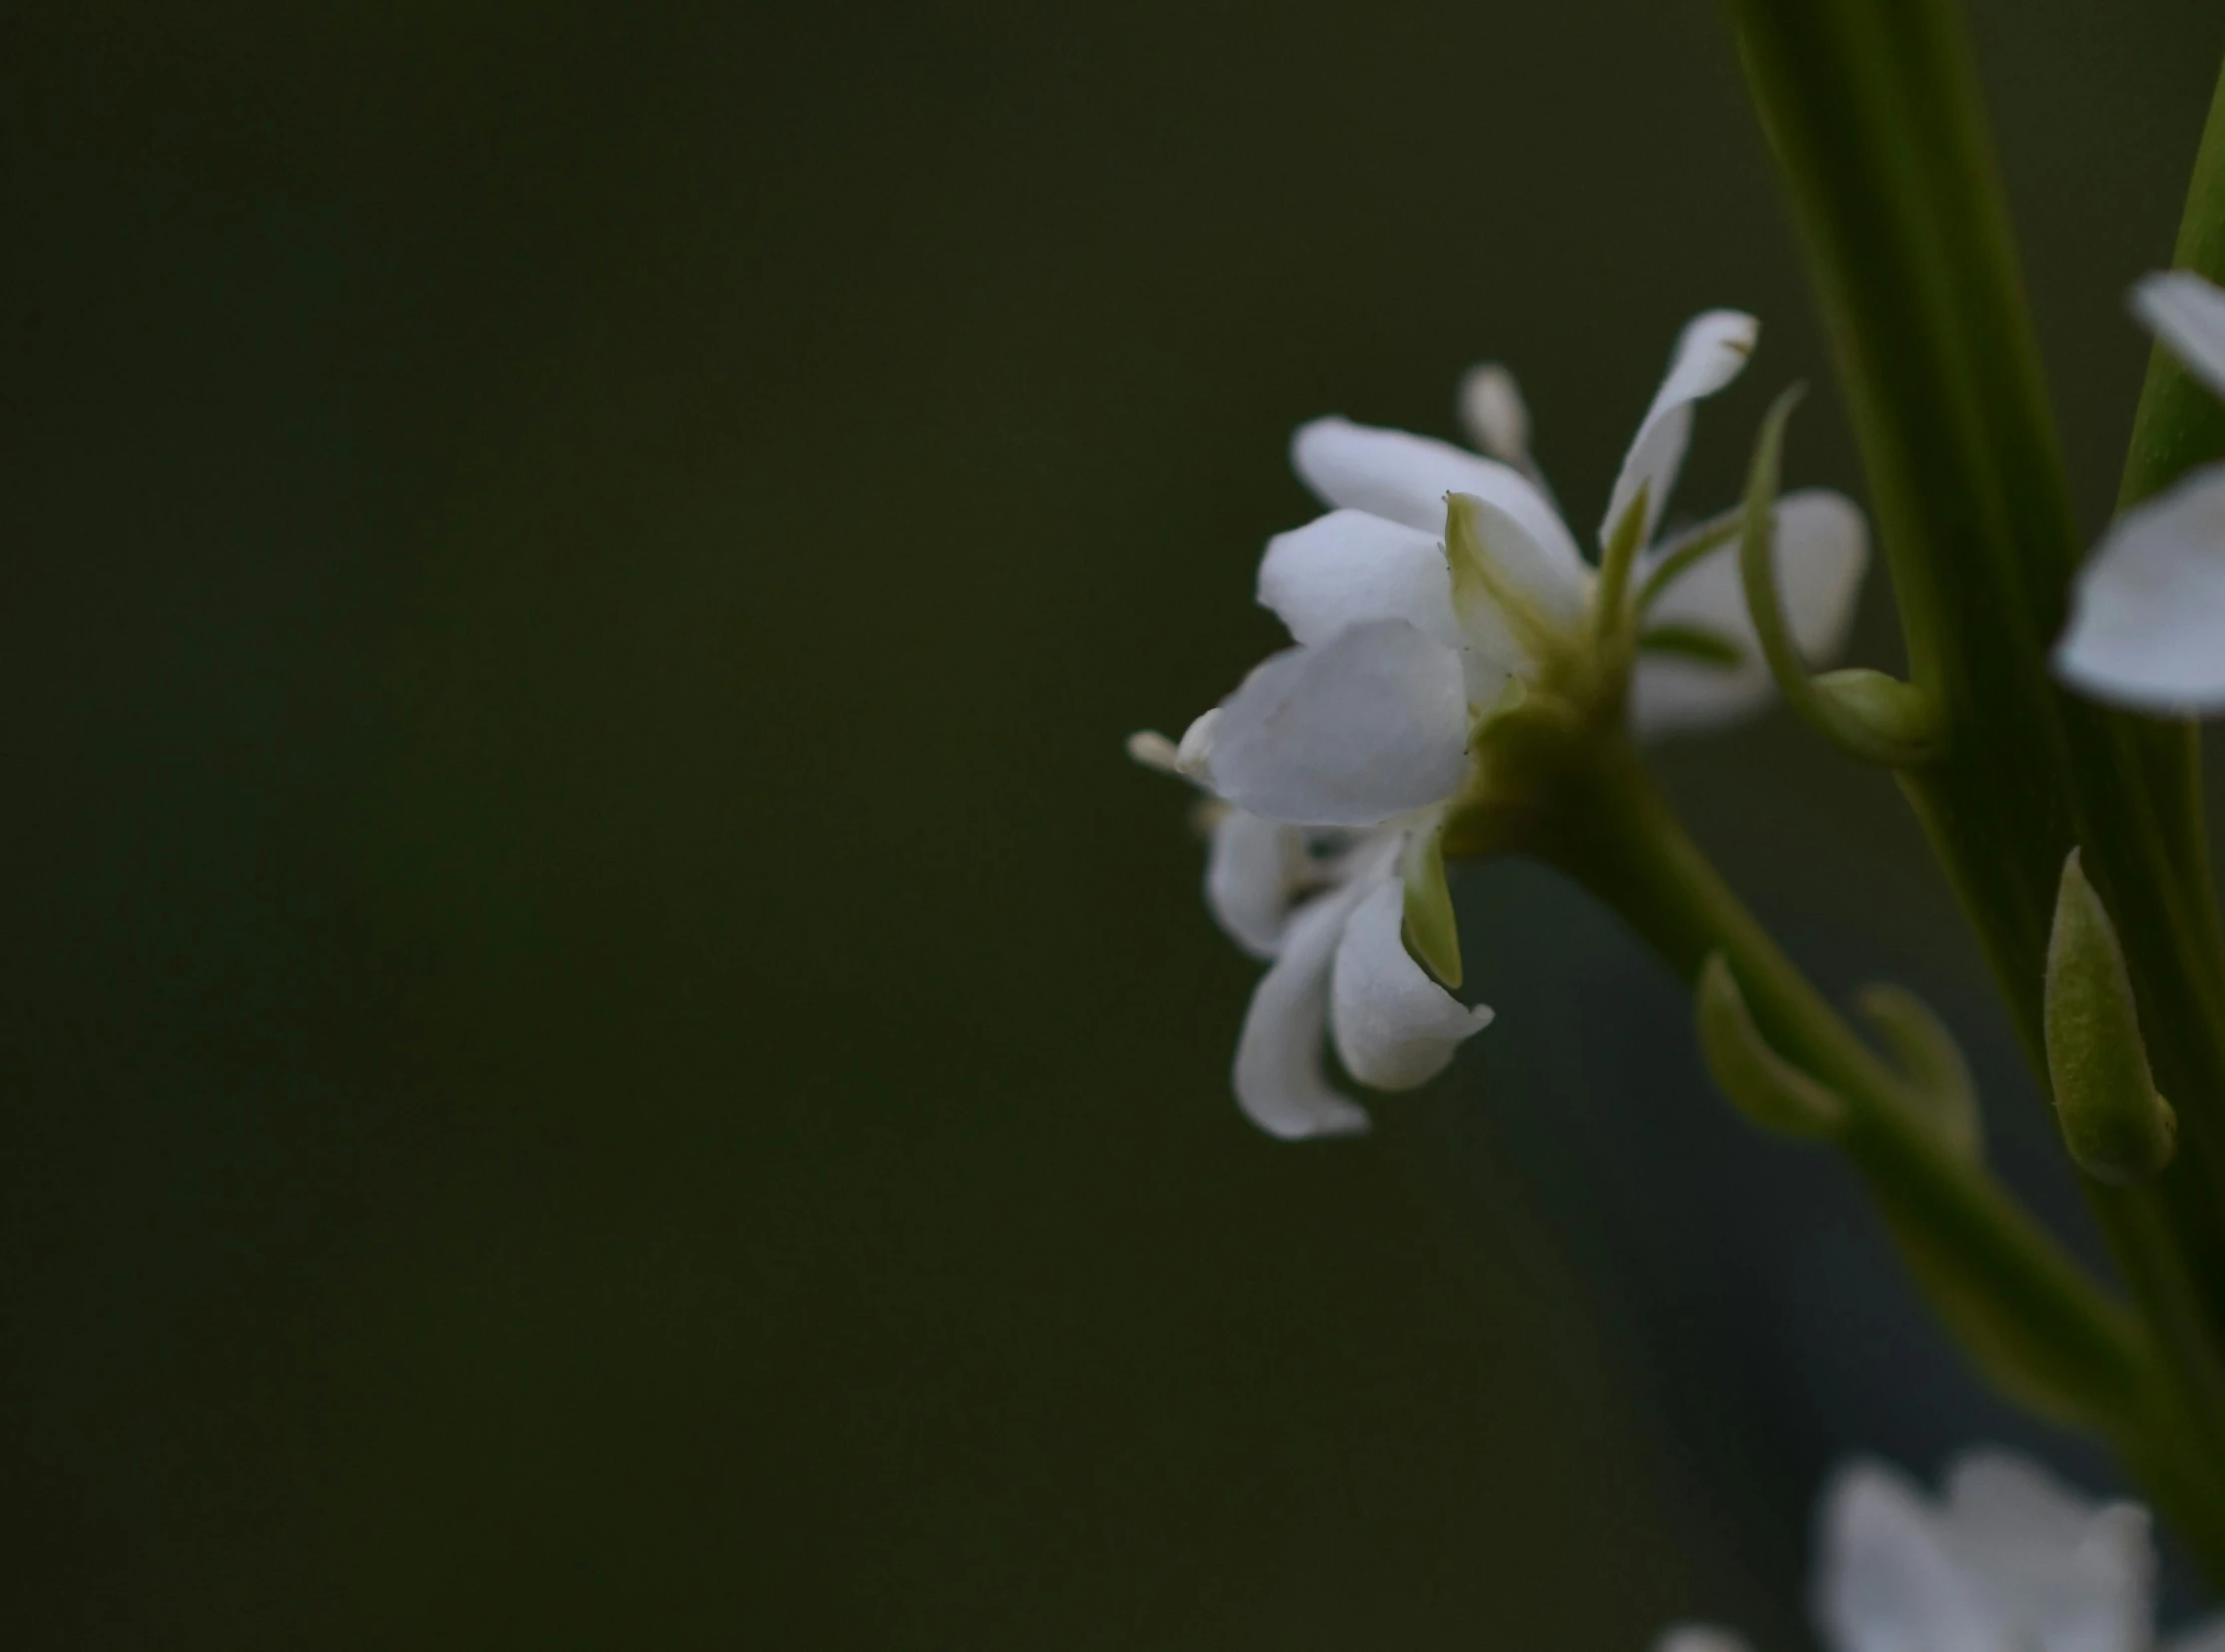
x=2028, y=1314
x=1873, y=110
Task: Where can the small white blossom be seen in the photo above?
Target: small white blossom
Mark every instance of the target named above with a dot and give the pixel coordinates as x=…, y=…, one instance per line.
x=2147, y=621
x=2007, y=1560
x=1336, y=759
x=1324, y=909
x=1369, y=716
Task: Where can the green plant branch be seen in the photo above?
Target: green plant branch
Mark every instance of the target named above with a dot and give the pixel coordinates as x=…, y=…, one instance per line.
x=1873, y=110
x=2027, y=1313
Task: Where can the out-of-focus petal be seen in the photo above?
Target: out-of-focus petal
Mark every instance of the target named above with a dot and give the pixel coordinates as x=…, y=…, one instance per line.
x=1822, y=548
x=2147, y=615
x=2188, y=314
x=1710, y=352
x=1349, y=566
x=1406, y=478
x=1494, y=416
x=1888, y=1580
x=1253, y=869
x=1395, y=1028
x=1371, y=725
x=1282, y=1077
x=2068, y=1575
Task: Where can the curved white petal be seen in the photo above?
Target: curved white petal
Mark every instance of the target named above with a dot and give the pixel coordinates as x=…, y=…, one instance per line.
x=1406, y=479
x=1822, y=548
x=2070, y=1575
x=1281, y=1080
x=1349, y=566
x=1371, y=725
x=2147, y=615
x=1394, y=1027
x=1710, y=352
x=2188, y=314
x=1253, y=869
x=1888, y=1580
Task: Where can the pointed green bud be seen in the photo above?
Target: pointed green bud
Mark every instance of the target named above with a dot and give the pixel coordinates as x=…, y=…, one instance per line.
x=1762, y=1084
x=1880, y=718
x=2117, y=1128
x=1864, y=714
x=1432, y=935
x=1931, y=1063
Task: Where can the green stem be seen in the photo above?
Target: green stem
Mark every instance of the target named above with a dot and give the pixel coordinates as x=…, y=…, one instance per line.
x=1871, y=107
x=2030, y=1315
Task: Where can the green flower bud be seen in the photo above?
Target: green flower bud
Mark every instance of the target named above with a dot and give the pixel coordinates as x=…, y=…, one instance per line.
x=2117, y=1128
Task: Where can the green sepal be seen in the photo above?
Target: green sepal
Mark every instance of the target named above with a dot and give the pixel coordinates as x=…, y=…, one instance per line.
x=1617, y=558
x=1695, y=643
x=1478, y=580
x=2118, y=1130
x=1432, y=934
x=1864, y=714
x=1931, y=1066
x=1760, y=1082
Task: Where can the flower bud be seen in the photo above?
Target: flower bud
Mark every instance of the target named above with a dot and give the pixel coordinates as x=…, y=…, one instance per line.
x=2116, y=1126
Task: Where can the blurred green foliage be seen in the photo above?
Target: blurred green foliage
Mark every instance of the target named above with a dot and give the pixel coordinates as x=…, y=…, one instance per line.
x=600, y=1046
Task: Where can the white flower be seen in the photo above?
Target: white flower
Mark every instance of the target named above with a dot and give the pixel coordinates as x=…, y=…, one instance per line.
x=1400, y=646
x=2147, y=618
x=2008, y=1560
x=1325, y=908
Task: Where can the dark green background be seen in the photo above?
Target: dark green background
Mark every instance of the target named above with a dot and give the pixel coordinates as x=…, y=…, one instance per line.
x=600, y=1048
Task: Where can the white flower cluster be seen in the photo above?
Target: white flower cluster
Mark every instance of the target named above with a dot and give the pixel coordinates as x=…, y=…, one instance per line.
x=2008, y=1560
x=1441, y=586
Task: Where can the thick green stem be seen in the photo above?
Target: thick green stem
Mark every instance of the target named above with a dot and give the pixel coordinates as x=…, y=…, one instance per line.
x=1871, y=107
x=2029, y=1313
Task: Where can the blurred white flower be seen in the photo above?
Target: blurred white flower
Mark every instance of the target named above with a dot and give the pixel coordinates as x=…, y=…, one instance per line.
x=2007, y=1561
x=1325, y=908
x=2147, y=615
x=1402, y=643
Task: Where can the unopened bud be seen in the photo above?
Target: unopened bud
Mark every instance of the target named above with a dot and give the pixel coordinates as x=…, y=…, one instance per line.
x=2116, y=1126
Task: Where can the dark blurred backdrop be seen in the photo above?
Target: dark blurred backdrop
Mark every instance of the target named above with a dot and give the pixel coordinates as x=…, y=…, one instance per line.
x=600, y=1046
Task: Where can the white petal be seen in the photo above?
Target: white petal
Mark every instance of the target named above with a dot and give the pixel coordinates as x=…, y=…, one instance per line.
x=1280, y=1077
x=1710, y=352
x=2147, y=615
x=1252, y=870
x=1888, y=1581
x=1350, y=566
x=2188, y=314
x=2071, y=1575
x=1406, y=478
x=1493, y=415
x=1371, y=725
x=1698, y=1637
x=1823, y=547
x=1193, y=759
x=1395, y=1028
